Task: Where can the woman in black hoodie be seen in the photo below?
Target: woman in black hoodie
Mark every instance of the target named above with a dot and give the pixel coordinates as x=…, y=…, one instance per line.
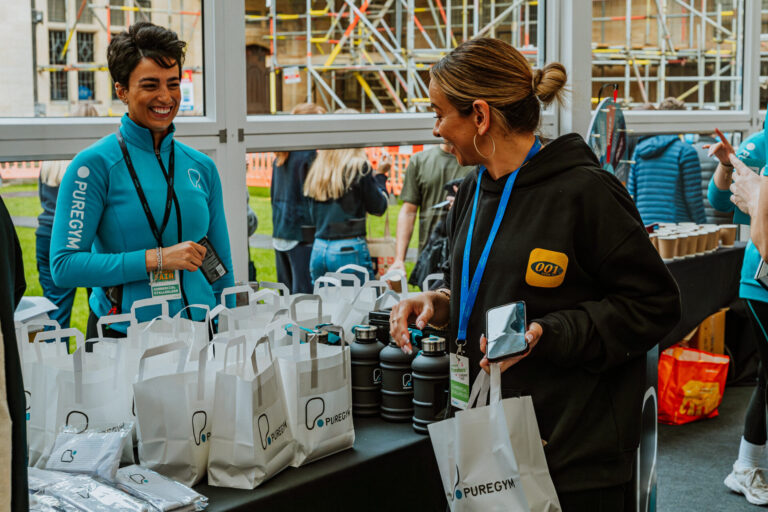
x=608, y=300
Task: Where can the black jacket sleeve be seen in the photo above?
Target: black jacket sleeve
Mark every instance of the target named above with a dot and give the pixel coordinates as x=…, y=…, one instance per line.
x=374, y=192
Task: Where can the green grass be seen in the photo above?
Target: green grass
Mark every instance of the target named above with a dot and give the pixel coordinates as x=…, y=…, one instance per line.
x=79, y=308
x=263, y=259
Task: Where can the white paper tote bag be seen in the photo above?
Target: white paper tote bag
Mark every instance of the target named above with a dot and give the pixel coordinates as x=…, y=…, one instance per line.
x=174, y=416
x=318, y=390
x=41, y=364
x=480, y=464
x=252, y=441
x=194, y=332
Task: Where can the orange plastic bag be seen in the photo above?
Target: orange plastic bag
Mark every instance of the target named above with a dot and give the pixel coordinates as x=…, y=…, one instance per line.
x=691, y=384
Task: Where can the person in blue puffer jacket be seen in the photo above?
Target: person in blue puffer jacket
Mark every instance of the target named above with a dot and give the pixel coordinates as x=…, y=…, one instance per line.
x=136, y=210
x=665, y=180
x=748, y=476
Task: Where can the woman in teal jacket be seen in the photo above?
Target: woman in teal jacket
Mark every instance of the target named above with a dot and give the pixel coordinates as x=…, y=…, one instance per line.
x=135, y=205
x=747, y=477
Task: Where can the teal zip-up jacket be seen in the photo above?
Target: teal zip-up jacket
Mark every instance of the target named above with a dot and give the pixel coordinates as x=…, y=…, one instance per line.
x=100, y=232
x=752, y=152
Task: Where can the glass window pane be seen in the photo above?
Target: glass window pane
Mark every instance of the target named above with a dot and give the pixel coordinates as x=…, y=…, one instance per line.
x=68, y=58
x=373, y=57
x=693, y=53
x=84, y=47
x=59, y=90
x=57, y=10
x=116, y=16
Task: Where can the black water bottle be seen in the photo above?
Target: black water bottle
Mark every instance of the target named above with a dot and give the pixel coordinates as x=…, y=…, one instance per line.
x=366, y=372
x=431, y=374
x=396, y=383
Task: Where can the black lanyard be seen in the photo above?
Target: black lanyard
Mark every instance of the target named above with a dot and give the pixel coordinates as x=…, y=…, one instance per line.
x=158, y=233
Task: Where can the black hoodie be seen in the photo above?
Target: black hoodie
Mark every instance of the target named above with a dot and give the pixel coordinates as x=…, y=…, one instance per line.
x=573, y=247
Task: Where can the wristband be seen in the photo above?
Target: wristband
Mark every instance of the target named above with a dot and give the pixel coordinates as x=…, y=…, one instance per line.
x=445, y=292
x=727, y=166
x=159, y=252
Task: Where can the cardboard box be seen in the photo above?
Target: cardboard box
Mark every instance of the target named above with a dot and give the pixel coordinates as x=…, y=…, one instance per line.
x=709, y=336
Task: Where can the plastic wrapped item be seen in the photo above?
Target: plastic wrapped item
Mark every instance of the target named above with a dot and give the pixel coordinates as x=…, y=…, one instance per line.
x=39, y=479
x=87, y=495
x=90, y=452
x=39, y=502
x=162, y=493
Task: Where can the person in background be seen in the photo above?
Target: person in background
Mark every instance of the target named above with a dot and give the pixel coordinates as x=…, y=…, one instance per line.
x=425, y=179
x=253, y=225
x=750, y=195
x=14, y=495
x=665, y=180
x=343, y=188
x=748, y=476
x=605, y=299
x=134, y=207
x=51, y=173
x=290, y=211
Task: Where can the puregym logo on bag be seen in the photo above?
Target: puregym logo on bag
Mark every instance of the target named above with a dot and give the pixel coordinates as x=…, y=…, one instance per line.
x=474, y=491
x=199, y=424
x=314, y=410
x=265, y=436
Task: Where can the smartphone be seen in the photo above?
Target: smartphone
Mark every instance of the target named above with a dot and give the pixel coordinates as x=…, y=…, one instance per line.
x=505, y=330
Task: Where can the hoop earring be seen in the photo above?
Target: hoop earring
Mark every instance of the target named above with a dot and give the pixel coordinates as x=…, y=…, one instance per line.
x=493, y=151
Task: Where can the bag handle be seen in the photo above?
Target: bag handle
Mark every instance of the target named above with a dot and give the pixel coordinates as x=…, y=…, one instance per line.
x=354, y=268
x=267, y=294
x=264, y=340
x=396, y=275
x=176, y=346
x=202, y=362
x=495, y=383
x=380, y=300
x=24, y=332
x=77, y=364
x=238, y=343
x=328, y=281
x=282, y=291
x=343, y=344
x=478, y=396
x=437, y=276
x=307, y=298
x=144, y=303
x=235, y=290
x=57, y=334
x=345, y=277
x=112, y=319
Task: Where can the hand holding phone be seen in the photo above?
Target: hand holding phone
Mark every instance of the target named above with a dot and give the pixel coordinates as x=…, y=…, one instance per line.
x=505, y=330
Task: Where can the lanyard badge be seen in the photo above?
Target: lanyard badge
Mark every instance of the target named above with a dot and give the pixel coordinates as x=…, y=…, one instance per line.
x=468, y=293
x=165, y=284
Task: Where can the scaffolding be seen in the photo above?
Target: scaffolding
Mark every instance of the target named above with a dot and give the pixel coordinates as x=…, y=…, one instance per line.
x=384, y=48
x=690, y=49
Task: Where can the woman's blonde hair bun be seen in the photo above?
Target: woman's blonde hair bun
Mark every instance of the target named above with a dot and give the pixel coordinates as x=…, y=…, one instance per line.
x=548, y=83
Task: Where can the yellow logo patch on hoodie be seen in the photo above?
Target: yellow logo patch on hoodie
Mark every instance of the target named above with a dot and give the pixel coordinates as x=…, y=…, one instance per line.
x=546, y=269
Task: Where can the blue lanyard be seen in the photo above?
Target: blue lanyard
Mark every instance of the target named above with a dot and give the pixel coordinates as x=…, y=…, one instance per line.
x=469, y=293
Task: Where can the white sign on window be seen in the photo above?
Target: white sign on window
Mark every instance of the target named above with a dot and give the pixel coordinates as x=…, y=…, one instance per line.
x=292, y=75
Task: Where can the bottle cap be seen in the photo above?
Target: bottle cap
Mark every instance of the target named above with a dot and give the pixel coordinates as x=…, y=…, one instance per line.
x=365, y=332
x=433, y=344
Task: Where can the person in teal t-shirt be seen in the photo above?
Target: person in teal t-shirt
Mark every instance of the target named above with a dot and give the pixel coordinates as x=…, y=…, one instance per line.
x=747, y=477
x=124, y=213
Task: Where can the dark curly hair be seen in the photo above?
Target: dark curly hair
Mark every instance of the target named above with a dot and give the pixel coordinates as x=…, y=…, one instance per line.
x=143, y=40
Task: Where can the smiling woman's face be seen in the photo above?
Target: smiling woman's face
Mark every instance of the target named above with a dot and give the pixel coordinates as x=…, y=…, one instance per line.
x=457, y=130
x=153, y=95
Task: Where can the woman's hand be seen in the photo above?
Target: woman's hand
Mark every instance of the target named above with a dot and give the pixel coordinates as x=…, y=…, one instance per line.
x=532, y=336
x=745, y=187
x=184, y=256
x=419, y=309
x=722, y=150
x=385, y=164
